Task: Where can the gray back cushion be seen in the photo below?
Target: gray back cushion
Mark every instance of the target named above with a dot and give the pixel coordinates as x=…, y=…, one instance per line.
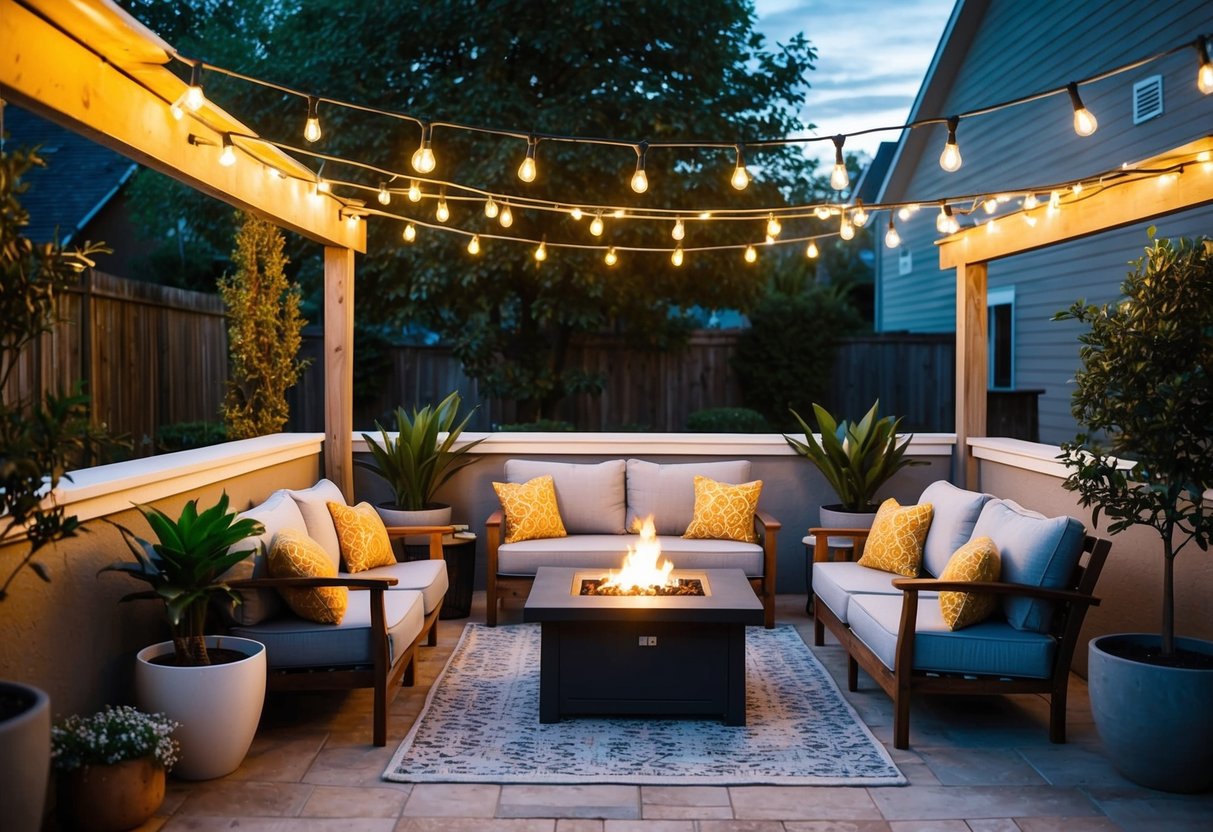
x=590, y=496
x=318, y=520
x=668, y=491
x=956, y=512
x=278, y=512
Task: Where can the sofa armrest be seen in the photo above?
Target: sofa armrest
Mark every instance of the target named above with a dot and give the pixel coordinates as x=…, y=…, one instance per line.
x=435, y=534
x=307, y=583
x=822, y=535
x=1065, y=596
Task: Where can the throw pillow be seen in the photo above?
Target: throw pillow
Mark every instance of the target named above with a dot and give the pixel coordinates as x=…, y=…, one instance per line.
x=362, y=537
x=724, y=512
x=530, y=509
x=295, y=555
x=895, y=542
x=977, y=560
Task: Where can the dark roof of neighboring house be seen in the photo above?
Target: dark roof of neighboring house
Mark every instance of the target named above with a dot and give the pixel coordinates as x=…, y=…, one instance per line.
x=868, y=186
x=80, y=176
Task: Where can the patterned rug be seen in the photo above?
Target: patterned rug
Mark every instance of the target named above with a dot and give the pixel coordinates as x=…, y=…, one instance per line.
x=481, y=723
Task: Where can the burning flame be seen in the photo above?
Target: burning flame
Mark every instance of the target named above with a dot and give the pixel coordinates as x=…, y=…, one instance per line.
x=643, y=565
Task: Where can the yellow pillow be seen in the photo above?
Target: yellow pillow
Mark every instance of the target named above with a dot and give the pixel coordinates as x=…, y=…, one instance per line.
x=362, y=536
x=977, y=560
x=895, y=542
x=295, y=555
x=723, y=511
x=530, y=509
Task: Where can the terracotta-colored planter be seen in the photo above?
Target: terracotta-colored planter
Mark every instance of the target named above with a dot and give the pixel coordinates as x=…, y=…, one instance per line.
x=111, y=798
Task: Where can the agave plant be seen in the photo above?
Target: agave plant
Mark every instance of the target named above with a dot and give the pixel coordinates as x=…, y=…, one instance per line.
x=415, y=464
x=185, y=568
x=857, y=458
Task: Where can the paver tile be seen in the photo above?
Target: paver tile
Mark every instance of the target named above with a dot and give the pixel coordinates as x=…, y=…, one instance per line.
x=685, y=795
x=958, y=802
x=350, y=801
x=452, y=800
x=980, y=767
x=993, y=825
x=928, y=826
x=1074, y=765
x=1099, y=824
x=579, y=825
x=648, y=826
x=837, y=826
x=803, y=803
x=573, y=801
x=235, y=798
x=245, y=823
x=475, y=825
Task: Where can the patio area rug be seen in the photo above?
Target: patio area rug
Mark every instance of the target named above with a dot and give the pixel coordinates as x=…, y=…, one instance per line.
x=481, y=723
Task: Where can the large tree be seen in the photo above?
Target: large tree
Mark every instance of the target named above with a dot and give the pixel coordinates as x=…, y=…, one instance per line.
x=672, y=70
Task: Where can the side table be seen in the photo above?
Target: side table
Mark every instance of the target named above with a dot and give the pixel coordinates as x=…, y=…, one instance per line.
x=460, y=556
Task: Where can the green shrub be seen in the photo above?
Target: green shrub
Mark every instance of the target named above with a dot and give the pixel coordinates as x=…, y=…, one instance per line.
x=540, y=426
x=181, y=436
x=727, y=420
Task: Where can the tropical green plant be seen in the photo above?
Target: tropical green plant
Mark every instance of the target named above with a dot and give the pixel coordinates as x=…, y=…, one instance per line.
x=1143, y=400
x=420, y=458
x=185, y=568
x=856, y=458
x=727, y=420
x=112, y=736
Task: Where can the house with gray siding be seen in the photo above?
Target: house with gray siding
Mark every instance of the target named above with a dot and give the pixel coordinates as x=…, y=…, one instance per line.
x=998, y=50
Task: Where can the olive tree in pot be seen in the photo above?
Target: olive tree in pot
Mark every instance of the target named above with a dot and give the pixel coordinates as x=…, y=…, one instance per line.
x=1143, y=401
x=214, y=686
x=421, y=457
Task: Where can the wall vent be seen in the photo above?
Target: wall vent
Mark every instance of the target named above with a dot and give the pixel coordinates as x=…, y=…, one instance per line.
x=1147, y=99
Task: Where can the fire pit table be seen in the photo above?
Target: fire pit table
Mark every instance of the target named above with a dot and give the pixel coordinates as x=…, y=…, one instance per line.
x=642, y=654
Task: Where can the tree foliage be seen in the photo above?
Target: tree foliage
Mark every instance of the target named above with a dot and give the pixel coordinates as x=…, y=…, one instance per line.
x=263, y=332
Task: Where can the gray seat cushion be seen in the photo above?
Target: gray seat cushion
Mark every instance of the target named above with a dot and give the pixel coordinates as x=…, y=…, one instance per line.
x=590, y=497
x=426, y=576
x=668, y=491
x=992, y=647
x=955, y=514
x=835, y=581
x=606, y=551
x=291, y=641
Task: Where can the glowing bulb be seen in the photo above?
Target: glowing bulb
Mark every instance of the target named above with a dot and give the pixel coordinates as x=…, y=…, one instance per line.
x=903, y=214
x=859, y=217
x=676, y=257
x=410, y=233
x=990, y=205
x=640, y=179
x=953, y=225
x=576, y=213
x=352, y=220
x=610, y=258
x=506, y=217
x=839, y=179
x=846, y=230
x=423, y=157
x=943, y=221
x=822, y=212
x=1084, y=121
x=541, y=253
x=750, y=254
x=490, y=208
x=1204, y=78
x=176, y=111
x=773, y=226
x=768, y=240
x=1030, y=201
x=1054, y=201
x=619, y=213
x=596, y=225
x=679, y=231
x=811, y=252
x=705, y=215
x=322, y=186
x=384, y=197
x=227, y=157
x=474, y=245
x=311, y=128
x=1076, y=188
x=443, y=212
x=414, y=191
x=891, y=238
x=741, y=177
x=526, y=171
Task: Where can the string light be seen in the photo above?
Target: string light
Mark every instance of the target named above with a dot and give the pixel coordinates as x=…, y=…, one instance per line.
x=490, y=208
x=990, y=205
x=194, y=97
x=414, y=191
x=443, y=212
x=1204, y=75
x=541, y=253
x=845, y=229
x=891, y=238
x=773, y=226
x=1030, y=201
x=859, y=217
x=676, y=257
x=1076, y=189
x=596, y=225
x=176, y=109
x=619, y=213
x=506, y=217
x=322, y=186
x=384, y=197
x=423, y=157
x=526, y=171
x=741, y=177
x=950, y=159
x=679, y=231
x=945, y=223
x=839, y=179
x=576, y=214
x=311, y=128
x=474, y=245
x=905, y=211
x=410, y=233
x=811, y=252
x=1054, y=201
x=227, y=157
x=1084, y=121
x=705, y=215
x=640, y=179
x=610, y=258
x=750, y=254
x=822, y=212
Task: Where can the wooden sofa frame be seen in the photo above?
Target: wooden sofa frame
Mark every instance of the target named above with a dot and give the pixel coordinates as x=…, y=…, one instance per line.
x=518, y=587
x=902, y=681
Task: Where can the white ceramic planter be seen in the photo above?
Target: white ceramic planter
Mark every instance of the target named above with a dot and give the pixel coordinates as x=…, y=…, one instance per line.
x=1156, y=722
x=439, y=515
x=25, y=757
x=218, y=706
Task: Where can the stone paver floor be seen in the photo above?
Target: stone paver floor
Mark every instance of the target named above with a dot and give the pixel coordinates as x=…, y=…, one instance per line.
x=980, y=764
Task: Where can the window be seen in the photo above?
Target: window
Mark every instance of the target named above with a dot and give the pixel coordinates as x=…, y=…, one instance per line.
x=1000, y=304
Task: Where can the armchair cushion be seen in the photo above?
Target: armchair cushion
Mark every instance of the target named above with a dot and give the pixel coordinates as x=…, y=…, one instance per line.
x=724, y=512
x=429, y=577
x=362, y=536
x=590, y=497
x=1035, y=550
x=318, y=521
x=977, y=560
x=531, y=511
x=276, y=513
x=295, y=555
x=990, y=648
x=668, y=491
x=605, y=551
x=895, y=543
x=834, y=582
x=955, y=513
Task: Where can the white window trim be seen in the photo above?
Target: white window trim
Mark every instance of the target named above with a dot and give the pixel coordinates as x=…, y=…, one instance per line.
x=1002, y=296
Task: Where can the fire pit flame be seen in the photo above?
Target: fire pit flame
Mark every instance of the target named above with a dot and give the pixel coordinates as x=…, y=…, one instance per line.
x=643, y=566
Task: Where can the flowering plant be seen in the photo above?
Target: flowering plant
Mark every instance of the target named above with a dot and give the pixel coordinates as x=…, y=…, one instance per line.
x=111, y=736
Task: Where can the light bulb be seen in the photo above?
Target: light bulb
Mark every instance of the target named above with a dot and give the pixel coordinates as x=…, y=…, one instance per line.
x=414, y=191
x=705, y=215
x=227, y=157
x=311, y=128
x=194, y=98
x=490, y=208
x=423, y=157
x=846, y=230
x=576, y=213
x=822, y=212
x=541, y=253
x=811, y=252
x=741, y=177
x=903, y=214
x=176, y=111
x=950, y=159
x=474, y=245
x=839, y=179
x=1084, y=121
x=322, y=186
x=942, y=221
x=768, y=240
x=1204, y=78
x=384, y=197
x=773, y=226
x=891, y=238
x=1030, y=201
x=619, y=213
x=750, y=254
x=610, y=258
x=676, y=257
x=410, y=233
x=859, y=216
x=596, y=225
x=679, y=231
x=1076, y=188
x=953, y=225
x=1054, y=201
x=526, y=171
x=990, y=205
x=352, y=220
x=443, y=212
x=640, y=179
x=506, y=217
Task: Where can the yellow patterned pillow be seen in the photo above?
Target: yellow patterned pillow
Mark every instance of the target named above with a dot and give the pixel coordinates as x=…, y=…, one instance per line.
x=977, y=560
x=895, y=542
x=295, y=555
x=362, y=536
x=723, y=511
x=530, y=509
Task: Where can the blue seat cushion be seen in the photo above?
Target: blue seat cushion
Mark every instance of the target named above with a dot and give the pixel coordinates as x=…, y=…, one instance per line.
x=956, y=512
x=834, y=582
x=992, y=647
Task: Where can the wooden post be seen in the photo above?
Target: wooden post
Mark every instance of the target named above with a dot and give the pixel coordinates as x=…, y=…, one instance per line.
x=339, y=368
x=972, y=366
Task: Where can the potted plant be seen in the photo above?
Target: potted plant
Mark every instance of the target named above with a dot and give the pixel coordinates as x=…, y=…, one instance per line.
x=418, y=460
x=1143, y=400
x=111, y=767
x=213, y=685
